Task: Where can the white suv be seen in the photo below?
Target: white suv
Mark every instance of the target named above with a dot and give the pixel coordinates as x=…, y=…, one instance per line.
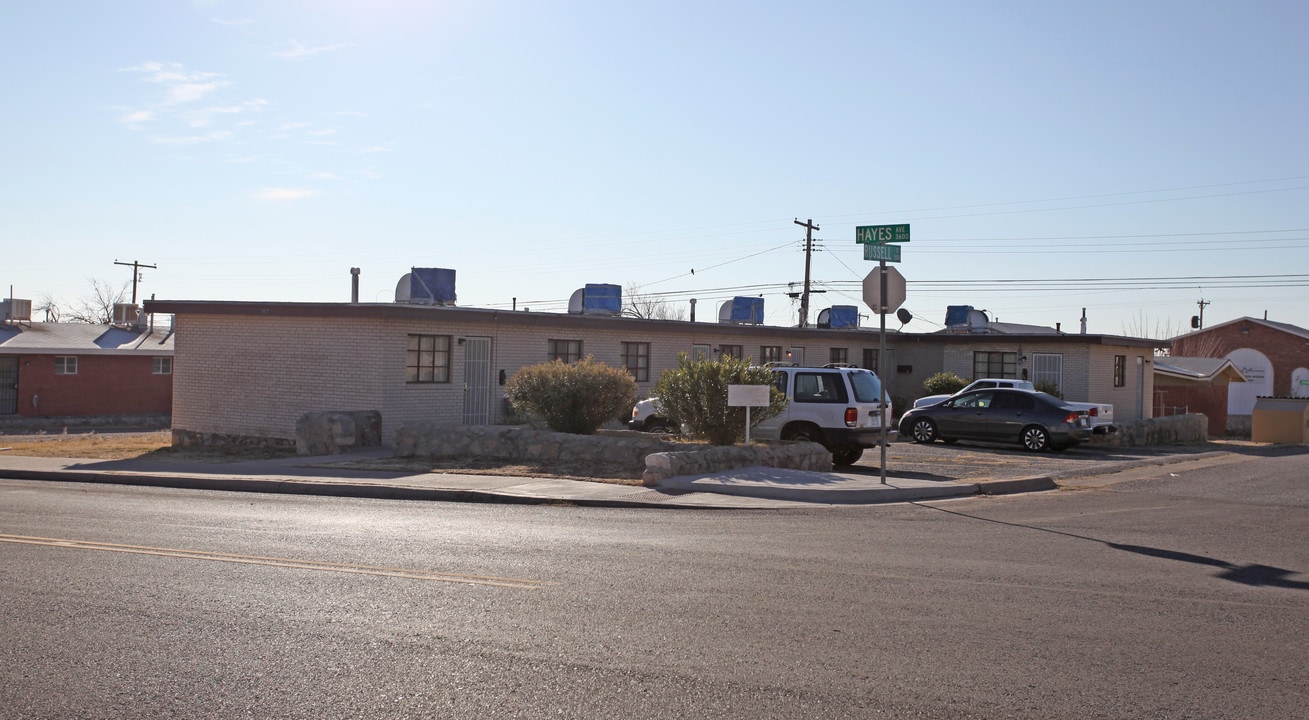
x=837, y=407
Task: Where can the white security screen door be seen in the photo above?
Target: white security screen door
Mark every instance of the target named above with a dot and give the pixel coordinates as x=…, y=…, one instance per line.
x=477, y=381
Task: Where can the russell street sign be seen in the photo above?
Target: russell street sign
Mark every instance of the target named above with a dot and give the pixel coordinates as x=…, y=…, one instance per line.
x=889, y=253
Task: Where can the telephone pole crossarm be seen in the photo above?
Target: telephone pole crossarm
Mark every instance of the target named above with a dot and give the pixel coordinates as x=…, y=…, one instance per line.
x=136, y=273
x=809, y=227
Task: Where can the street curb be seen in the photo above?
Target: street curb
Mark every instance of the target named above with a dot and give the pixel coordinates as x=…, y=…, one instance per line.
x=880, y=496
x=325, y=489
x=1019, y=485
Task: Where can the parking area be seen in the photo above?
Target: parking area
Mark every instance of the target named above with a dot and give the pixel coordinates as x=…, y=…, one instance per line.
x=976, y=461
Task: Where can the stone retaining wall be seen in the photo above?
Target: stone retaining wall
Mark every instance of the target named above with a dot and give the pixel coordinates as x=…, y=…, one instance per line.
x=1171, y=430
x=332, y=433
x=796, y=456
x=653, y=455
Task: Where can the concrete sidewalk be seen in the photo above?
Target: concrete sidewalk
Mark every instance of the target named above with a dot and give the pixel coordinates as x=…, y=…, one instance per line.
x=744, y=488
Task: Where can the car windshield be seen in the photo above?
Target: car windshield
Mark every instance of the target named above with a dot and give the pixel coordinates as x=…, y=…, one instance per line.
x=867, y=387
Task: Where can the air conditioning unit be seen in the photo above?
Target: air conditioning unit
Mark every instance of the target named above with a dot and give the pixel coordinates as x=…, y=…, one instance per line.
x=15, y=310
x=126, y=313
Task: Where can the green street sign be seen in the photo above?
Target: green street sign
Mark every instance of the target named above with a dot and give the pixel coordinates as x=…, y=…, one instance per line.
x=881, y=234
x=889, y=253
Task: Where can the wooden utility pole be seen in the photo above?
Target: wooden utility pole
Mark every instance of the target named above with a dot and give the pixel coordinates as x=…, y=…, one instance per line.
x=136, y=274
x=809, y=227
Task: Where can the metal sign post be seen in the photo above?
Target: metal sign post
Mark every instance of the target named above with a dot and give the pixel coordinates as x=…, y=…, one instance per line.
x=747, y=395
x=884, y=292
x=881, y=362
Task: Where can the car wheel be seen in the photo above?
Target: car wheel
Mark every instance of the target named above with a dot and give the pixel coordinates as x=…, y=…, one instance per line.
x=803, y=432
x=847, y=456
x=658, y=425
x=1035, y=438
x=923, y=431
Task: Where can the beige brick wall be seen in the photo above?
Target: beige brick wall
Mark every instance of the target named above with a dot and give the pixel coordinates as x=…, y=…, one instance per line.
x=256, y=375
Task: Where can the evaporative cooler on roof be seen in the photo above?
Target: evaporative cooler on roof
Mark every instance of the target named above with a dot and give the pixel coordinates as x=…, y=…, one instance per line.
x=839, y=317
x=597, y=299
x=432, y=286
x=742, y=311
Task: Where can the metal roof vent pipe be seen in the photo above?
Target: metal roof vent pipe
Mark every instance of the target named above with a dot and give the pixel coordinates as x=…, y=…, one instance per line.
x=1083, y=321
x=354, y=285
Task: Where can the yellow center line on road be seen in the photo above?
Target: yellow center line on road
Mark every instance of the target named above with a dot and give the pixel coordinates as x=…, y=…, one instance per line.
x=407, y=573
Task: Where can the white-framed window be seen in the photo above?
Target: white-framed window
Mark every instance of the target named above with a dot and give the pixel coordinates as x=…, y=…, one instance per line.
x=1048, y=369
x=161, y=365
x=65, y=364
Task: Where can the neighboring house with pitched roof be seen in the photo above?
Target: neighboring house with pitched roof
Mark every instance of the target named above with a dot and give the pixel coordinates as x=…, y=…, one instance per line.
x=1195, y=385
x=71, y=370
x=1272, y=356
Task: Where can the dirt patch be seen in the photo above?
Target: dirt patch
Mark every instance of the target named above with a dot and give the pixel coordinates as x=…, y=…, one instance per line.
x=601, y=472
x=156, y=446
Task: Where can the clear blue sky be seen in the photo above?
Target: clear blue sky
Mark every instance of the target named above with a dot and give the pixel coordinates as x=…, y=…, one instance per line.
x=1141, y=155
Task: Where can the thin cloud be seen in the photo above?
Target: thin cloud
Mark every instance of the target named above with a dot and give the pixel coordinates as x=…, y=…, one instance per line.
x=284, y=194
x=216, y=136
x=231, y=23
x=204, y=116
x=137, y=117
x=181, y=86
x=300, y=50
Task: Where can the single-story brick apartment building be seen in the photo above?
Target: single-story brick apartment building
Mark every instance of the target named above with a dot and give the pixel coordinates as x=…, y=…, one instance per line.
x=246, y=371
x=75, y=370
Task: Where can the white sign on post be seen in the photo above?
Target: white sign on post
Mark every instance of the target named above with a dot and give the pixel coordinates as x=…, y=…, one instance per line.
x=747, y=396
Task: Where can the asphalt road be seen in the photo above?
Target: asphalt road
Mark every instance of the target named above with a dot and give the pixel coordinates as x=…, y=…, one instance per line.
x=1175, y=592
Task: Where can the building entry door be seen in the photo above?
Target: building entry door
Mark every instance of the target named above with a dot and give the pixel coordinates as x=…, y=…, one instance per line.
x=477, y=381
x=8, y=384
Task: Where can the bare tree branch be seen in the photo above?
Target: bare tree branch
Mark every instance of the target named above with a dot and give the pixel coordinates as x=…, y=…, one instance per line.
x=98, y=307
x=649, y=307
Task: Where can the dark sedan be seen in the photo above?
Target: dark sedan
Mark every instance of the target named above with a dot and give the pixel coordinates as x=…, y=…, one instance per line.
x=1035, y=419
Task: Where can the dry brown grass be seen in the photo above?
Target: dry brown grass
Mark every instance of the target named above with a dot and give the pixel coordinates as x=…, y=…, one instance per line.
x=157, y=446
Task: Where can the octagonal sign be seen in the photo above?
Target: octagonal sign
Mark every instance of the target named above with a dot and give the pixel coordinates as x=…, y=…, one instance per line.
x=895, y=290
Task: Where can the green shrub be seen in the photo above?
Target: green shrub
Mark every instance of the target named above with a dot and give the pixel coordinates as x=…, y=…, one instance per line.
x=695, y=395
x=574, y=398
x=1049, y=387
x=944, y=383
